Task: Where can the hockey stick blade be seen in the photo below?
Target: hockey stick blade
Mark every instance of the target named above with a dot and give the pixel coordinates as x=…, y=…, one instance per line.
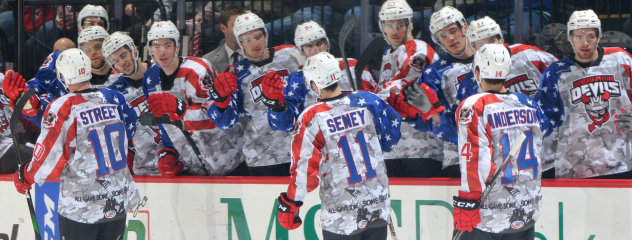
x=376, y=46
x=512, y=154
x=13, y=124
x=148, y=119
x=348, y=26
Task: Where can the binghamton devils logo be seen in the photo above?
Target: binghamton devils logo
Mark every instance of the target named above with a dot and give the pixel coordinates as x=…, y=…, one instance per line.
x=522, y=84
x=459, y=79
x=595, y=93
x=255, y=85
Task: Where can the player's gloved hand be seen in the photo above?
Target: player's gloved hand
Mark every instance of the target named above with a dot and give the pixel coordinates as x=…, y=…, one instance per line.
x=397, y=102
x=623, y=120
x=272, y=88
x=466, y=213
x=165, y=103
x=21, y=181
x=423, y=98
x=168, y=164
x=14, y=86
x=224, y=85
x=288, y=212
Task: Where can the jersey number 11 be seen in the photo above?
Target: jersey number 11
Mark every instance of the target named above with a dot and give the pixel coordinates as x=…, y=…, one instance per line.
x=354, y=177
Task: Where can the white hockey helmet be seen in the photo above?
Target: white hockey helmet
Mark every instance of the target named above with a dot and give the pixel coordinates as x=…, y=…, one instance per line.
x=115, y=42
x=307, y=32
x=395, y=10
x=92, y=33
x=164, y=30
x=583, y=19
x=482, y=28
x=447, y=16
x=322, y=69
x=493, y=61
x=73, y=66
x=247, y=22
x=93, y=11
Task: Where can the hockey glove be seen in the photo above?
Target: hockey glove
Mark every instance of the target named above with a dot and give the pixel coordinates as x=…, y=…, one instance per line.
x=168, y=164
x=14, y=86
x=224, y=85
x=624, y=120
x=423, y=98
x=466, y=213
x=165, y=103
x=288, y=212
x=408, y=112
x=21, y=180
x=272, y=88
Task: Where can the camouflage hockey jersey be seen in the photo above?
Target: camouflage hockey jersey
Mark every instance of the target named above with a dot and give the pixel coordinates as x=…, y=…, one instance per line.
x=220, y=149
x=581, y=102
x=146, y=141
x=83, y=145
x=488, y=125
x=298, y=95
x=406, y=63
x=444, y=77
x=338, y=144
x=48, y=87
x=528, y=63
x=263, y=146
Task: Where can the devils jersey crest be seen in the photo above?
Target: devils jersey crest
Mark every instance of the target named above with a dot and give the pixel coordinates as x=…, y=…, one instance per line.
x=255, y=85
x=595, y=93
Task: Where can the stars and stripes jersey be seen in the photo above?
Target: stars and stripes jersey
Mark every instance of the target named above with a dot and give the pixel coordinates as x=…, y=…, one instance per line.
x=338, y=144
x=444, y=77
x=298, y=95
x=488, y=124
x=406, y=62
x=413, y=143
x=263, y=146
x=580, y=100
x=190, y=86
x=528, y=63
x=48, y=87
x=147, y=139
x=83, y=146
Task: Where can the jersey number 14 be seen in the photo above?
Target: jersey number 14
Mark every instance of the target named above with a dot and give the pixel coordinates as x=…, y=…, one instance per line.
x=354, y=177
x=116, y=164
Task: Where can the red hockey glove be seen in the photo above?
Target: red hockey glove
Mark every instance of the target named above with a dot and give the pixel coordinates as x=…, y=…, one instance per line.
x=404, y=109
x=624, y=120
x=168, y=164
x=423, y=98
x=272, y=88
x=224, y=85
x=14, y=86
x=21, y=180
x=288, y=212
x=465, y=213
x=165, y=103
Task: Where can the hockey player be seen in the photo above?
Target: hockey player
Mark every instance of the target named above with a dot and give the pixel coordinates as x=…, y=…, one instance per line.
x=488, y=124
x=310, y=39
x=448, y=28
x=267, y=151
x=402, y=61
x=81, y=131
x=177, y=86
x=92, y=15
x=338, y=143
x=49, y=88
x=580, y=94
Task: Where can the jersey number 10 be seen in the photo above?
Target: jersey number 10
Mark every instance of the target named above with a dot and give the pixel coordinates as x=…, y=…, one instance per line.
x=354, y=177
x=116, y=164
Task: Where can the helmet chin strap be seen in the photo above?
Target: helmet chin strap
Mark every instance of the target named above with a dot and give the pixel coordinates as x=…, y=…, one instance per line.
x=260, y=57
x=101, y=68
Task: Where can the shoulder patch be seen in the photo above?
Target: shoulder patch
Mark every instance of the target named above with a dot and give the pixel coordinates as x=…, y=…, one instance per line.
x=418, y=63
x=49, y=120
x=465, y=115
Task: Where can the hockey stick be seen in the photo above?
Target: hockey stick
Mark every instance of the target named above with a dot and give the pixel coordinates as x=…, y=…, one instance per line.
x=488, y=186
x=149, y=119
x=13, y=123
x=377, y=45
x=351, y=22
